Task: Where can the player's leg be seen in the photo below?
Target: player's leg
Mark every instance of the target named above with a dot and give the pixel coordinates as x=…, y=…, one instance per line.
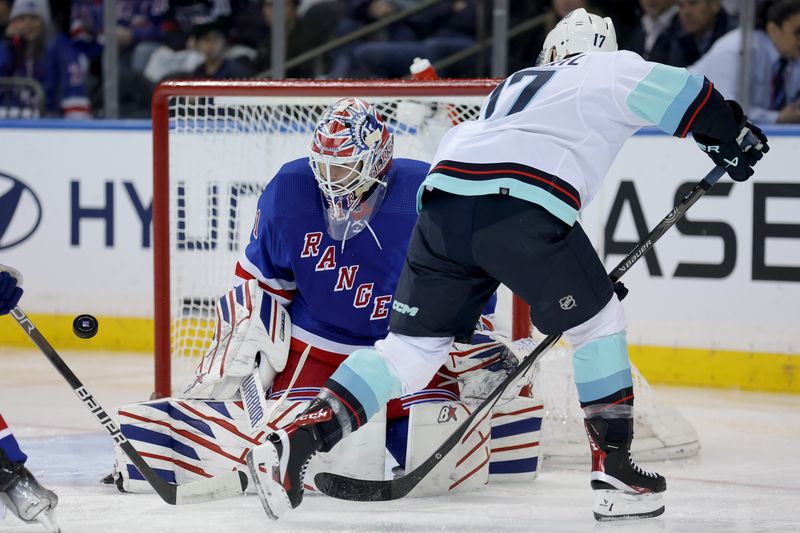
x=19, y=490
x=605, y=390
x=555, y=269
x=439, y=297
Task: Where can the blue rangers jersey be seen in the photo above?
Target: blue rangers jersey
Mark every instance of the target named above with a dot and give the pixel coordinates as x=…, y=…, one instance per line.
x=60, y=69
x=338, y=293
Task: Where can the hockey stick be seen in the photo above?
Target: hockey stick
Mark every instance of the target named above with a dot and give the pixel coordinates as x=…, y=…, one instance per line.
x=346, y=488
x=204, y=490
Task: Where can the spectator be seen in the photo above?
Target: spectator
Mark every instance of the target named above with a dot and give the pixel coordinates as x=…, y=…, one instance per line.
x=183, y=15
x=523, y=51
x=210, y=39
x=138, y=32
x=137, y=21
x=36, y=51
x=247, y=23
x=656, y=30
x=362, y=13
x=303, y=32
x=443, y=30
x=624, y=13
x=702, y=22
x=5, y=10
x=774, y=65
x=369, y=11
x=178, y=55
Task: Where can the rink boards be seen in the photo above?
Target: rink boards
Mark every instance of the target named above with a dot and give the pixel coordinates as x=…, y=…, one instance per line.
x=716, y=304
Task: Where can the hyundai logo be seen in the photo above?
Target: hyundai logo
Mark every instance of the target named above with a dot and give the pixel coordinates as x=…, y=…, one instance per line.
x=20, y=211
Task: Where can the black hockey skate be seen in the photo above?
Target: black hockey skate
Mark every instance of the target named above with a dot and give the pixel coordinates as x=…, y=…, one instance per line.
x=278, y=466
x=27, y=499
x=622, y=489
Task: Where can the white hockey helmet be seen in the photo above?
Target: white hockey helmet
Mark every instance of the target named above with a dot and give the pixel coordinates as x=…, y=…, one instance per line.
x=578, y=32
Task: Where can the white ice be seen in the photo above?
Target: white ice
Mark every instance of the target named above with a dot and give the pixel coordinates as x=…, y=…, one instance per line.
x=746, y=478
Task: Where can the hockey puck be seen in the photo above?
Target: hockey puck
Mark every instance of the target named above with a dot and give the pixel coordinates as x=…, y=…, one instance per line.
x=85, y=326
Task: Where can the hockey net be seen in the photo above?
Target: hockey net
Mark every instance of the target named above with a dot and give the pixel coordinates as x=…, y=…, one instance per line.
x=216, y=145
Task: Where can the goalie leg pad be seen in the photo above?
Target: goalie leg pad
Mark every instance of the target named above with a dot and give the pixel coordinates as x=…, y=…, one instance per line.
x=466, y=467
x=515, y=450
x=186, y=440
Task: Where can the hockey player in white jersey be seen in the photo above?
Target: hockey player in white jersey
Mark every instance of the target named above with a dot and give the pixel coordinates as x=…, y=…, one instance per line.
x=500, y=204
x=19, y=490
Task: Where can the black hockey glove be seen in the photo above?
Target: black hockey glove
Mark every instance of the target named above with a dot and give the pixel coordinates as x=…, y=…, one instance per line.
x=620, y=290
x=10, y=293
x=737, y=156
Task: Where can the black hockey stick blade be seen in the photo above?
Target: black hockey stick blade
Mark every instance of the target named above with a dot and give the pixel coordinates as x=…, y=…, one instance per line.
x=366, y=490
x=204, y=490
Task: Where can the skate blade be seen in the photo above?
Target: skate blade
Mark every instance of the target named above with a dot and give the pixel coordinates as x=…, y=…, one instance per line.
x=48, y=519
x=42, y=511
x=619, y=505
x=270, y=491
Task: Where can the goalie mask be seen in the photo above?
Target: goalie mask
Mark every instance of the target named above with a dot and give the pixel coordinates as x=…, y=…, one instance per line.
x=350, y=155
x=578, y=32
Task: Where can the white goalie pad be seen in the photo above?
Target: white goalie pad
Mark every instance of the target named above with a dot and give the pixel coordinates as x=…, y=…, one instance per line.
x=249, y=322
x=185, y=440
x=503, y=447
x=515, y=450
x=516, y=419
x=466, y=467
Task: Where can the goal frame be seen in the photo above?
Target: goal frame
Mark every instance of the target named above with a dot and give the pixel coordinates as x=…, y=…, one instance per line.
x=520, y=322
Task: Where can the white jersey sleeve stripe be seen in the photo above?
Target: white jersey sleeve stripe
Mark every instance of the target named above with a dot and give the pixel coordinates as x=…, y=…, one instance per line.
x=255, y=273
x=277, y=288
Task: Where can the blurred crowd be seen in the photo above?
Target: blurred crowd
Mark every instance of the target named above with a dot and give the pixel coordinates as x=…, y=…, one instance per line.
x=60, y=43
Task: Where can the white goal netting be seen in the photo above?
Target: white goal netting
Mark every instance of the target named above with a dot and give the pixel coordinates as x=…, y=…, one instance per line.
x=660, y=431
x=224, y=148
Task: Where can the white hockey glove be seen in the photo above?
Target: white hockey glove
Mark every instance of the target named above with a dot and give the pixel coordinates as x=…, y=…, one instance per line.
x=242, y=341
x=480, y=366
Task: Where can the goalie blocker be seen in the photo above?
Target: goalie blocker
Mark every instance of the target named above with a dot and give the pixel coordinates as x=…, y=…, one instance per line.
x=190, y=438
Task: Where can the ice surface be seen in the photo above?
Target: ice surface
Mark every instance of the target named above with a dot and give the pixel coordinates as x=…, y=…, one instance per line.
x=745, y=479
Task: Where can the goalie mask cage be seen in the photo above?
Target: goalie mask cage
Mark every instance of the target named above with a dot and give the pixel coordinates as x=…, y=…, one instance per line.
x=217, y=143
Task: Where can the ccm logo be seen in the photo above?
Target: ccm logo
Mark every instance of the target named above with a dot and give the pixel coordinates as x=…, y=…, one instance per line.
x=404, y=308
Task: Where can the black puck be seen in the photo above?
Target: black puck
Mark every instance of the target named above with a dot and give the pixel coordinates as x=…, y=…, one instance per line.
x=85, y=326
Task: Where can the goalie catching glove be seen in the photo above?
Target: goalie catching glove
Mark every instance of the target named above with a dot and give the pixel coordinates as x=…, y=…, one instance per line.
x=252, y=329
x=479, y=367
x=737, y=156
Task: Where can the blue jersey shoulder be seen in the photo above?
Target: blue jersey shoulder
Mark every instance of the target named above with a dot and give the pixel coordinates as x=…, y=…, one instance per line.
x=405, y=177
x=291, y=192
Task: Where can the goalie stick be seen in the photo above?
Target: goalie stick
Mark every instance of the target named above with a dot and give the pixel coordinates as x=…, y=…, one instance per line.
x=346, y=488
x=204, y=490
